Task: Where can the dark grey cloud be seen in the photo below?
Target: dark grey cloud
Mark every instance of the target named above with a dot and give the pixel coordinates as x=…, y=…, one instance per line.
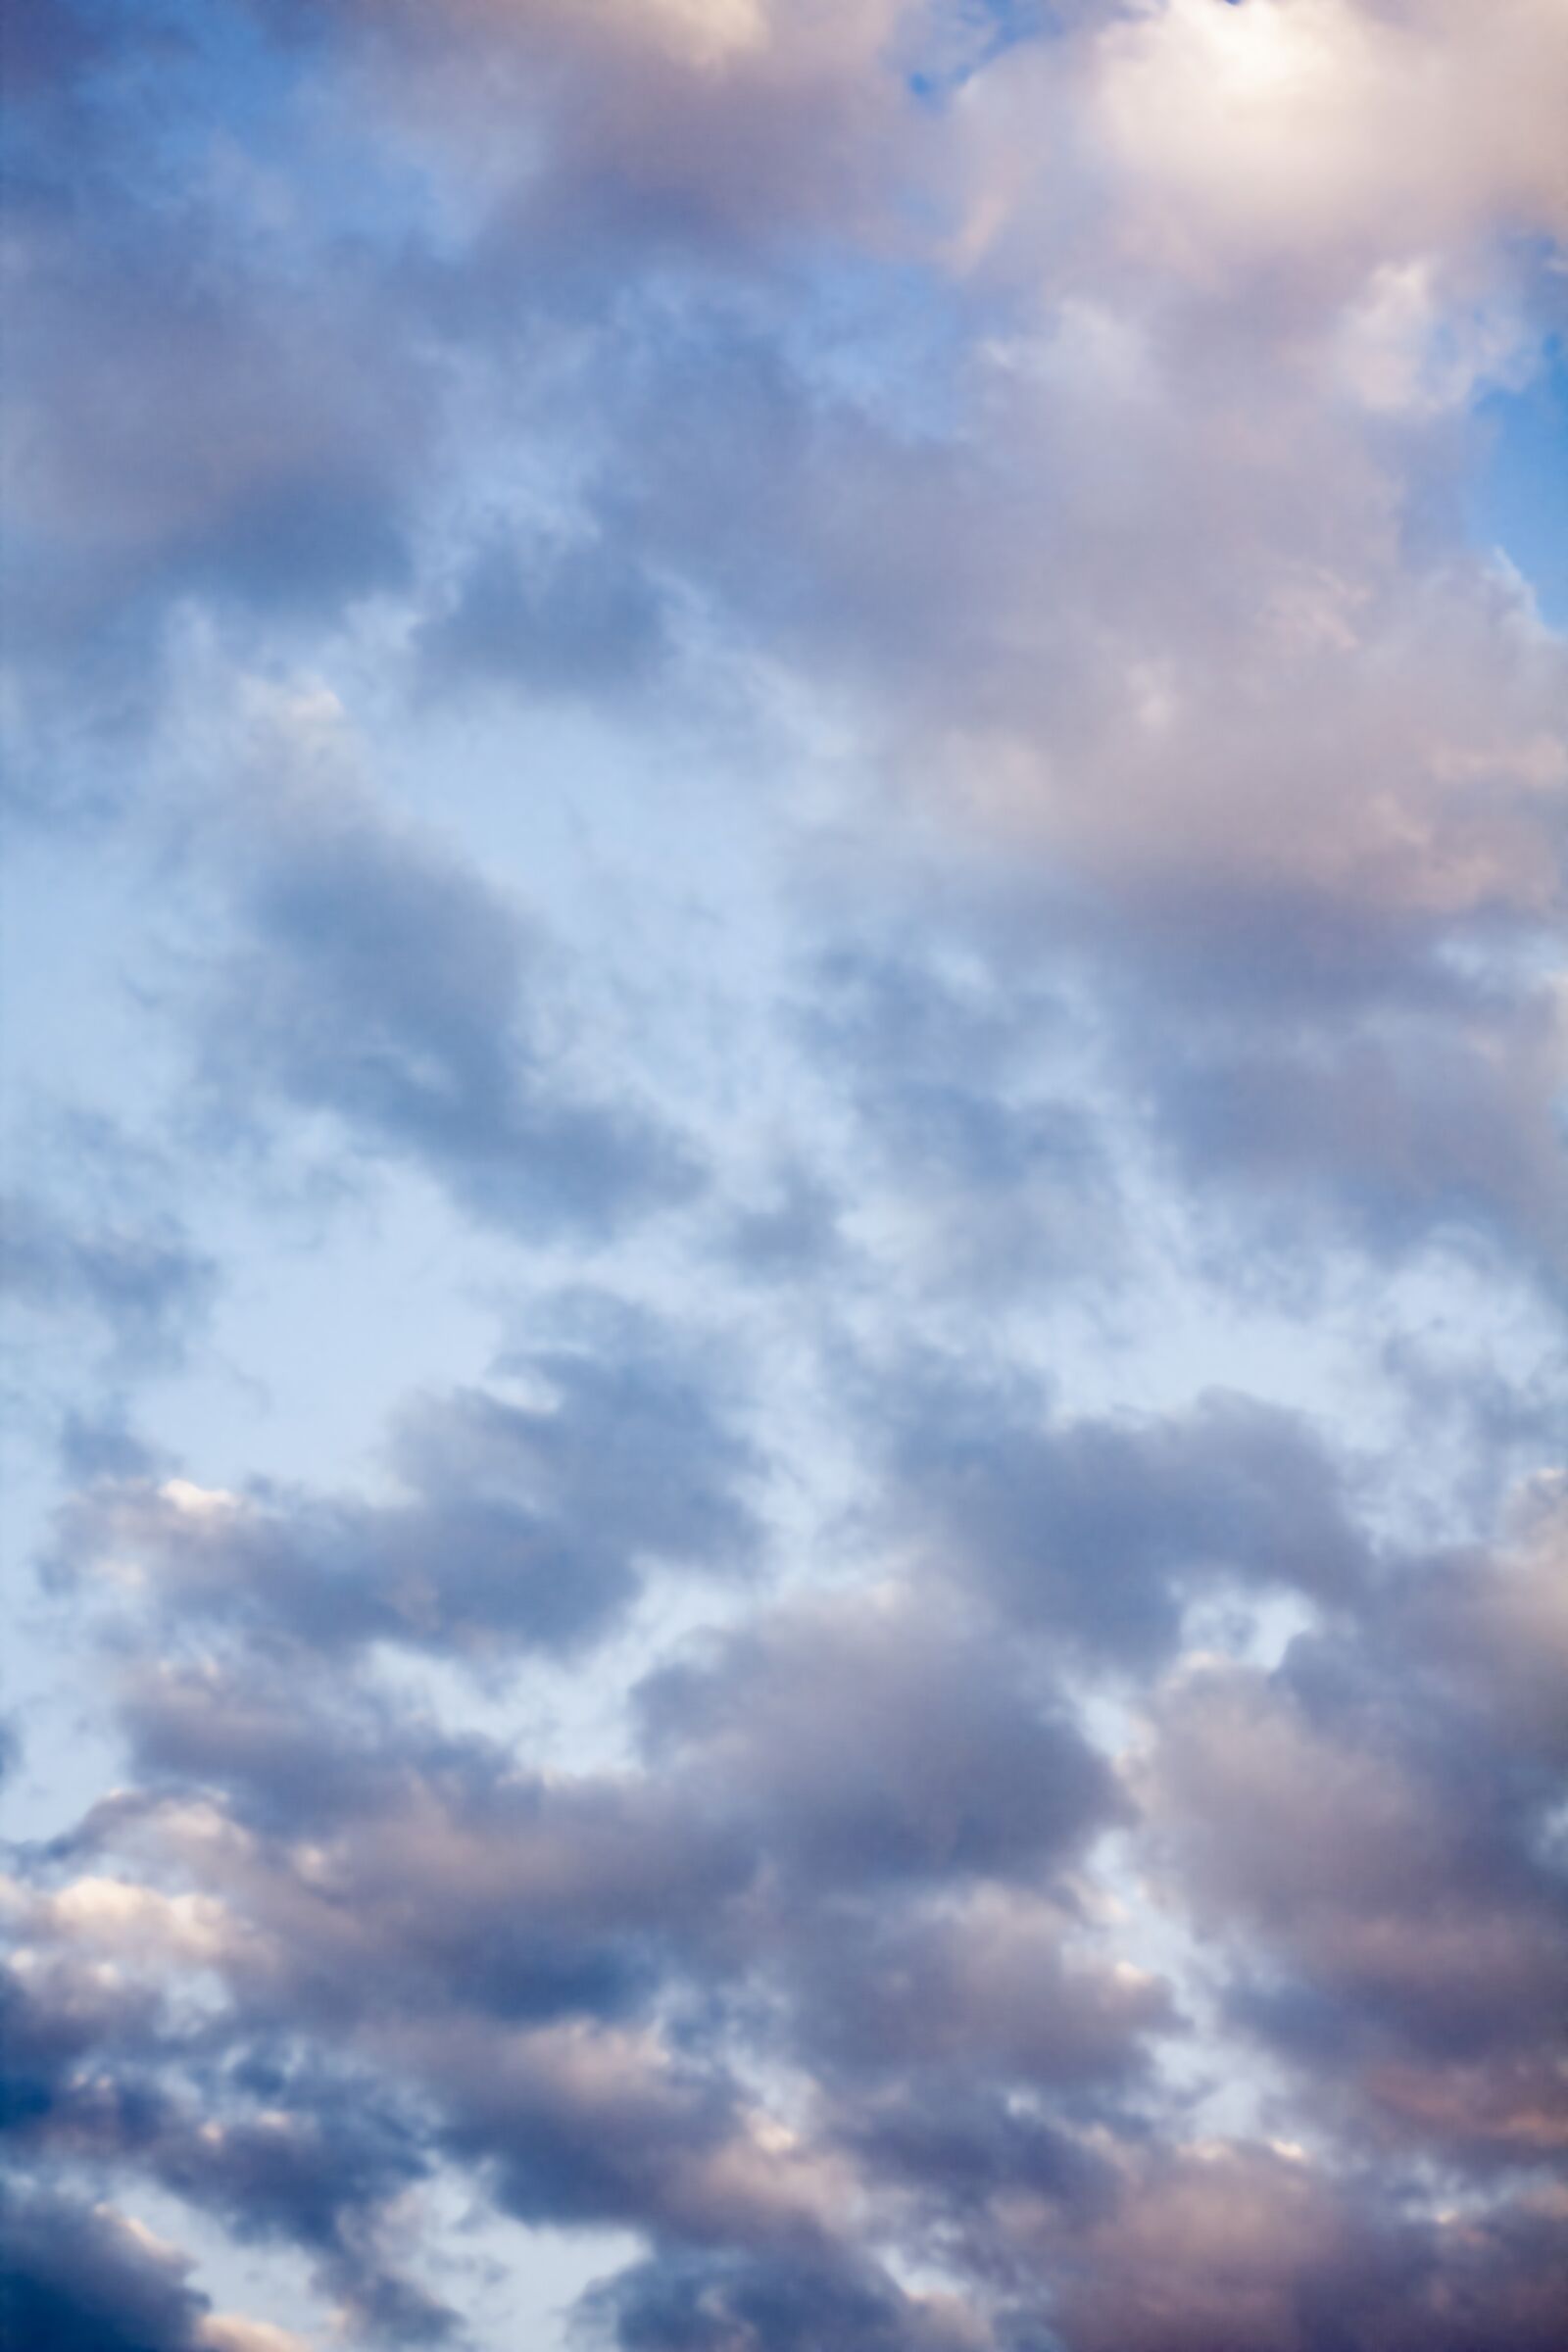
x=540, y=1896
x=57, y=2022
x=745, y=2304
x=951, y=2146
x=78, y=2279
x=315, y=2166
x=805, y=1777
x=858, y=1852
x=101, y=2075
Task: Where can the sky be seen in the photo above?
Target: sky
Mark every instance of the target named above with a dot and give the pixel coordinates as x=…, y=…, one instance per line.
x=784, y=1051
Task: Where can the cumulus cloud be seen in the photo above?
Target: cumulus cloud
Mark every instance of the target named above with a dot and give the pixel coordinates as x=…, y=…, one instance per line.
x=881, y=1740
x=1098, y=1533
x=842, y=671
x=452, y=1068
x=1380, y=1851
x=522, y=1524
x=82, y=2276
x=1232, y=2246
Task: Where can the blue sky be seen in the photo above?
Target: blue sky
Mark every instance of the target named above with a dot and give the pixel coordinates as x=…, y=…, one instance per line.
x=783, y=1075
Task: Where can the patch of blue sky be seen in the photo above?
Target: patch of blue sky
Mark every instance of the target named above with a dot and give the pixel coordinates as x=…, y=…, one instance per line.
x=174, y=69
x=210, y=113
x=960, y=40
x=1519, y=494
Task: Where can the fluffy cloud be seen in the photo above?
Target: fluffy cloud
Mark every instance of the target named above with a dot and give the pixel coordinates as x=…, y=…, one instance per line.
x=1379, y=1849
x=79, y=2275
x=522, y=1522
x=838, y=671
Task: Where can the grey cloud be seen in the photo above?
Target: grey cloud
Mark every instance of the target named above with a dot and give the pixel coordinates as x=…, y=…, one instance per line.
x=142, y=1280
x=78, y=2279
x=842, y=1861
x=1097, y=1531
x=948, y=1074
x=381, y=981
x=519, y=1525
x=1490, y=1628
x=499, y=1944
x=576, y=620
x=99, y=2074
x=1077, y=462
x=256, y=442
x=932, y=1061
x=1378, y=1859
x=813, y=1764
x=984, y=1992
x=792, y=1234
x=955, y=2147
x=882, y=1742
x=575, y=2125
x=540, y=1897
x=1231, y=2247
x=315, y=2170
x=1414, y=1131
x=744, y=2303
x=286, y=1763
x=54, y=2020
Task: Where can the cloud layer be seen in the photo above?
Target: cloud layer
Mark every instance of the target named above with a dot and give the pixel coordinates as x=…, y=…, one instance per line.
x=787, y=1163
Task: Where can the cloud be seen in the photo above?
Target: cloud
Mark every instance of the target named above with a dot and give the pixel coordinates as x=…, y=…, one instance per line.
x=86, y=2278
x=1242, y=2248
x=1294, y=104
x=199, y=408
x=985, y=1986
x=375, y=978
x=429, y=1953
x=520, y=1523
x=143, y=1282
x=1098, y=1532
x=574, y=620
x=1380, y=1859
x=747, y=2305
x=878, y=1740
x=973, y=496
x=1002, y=1160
